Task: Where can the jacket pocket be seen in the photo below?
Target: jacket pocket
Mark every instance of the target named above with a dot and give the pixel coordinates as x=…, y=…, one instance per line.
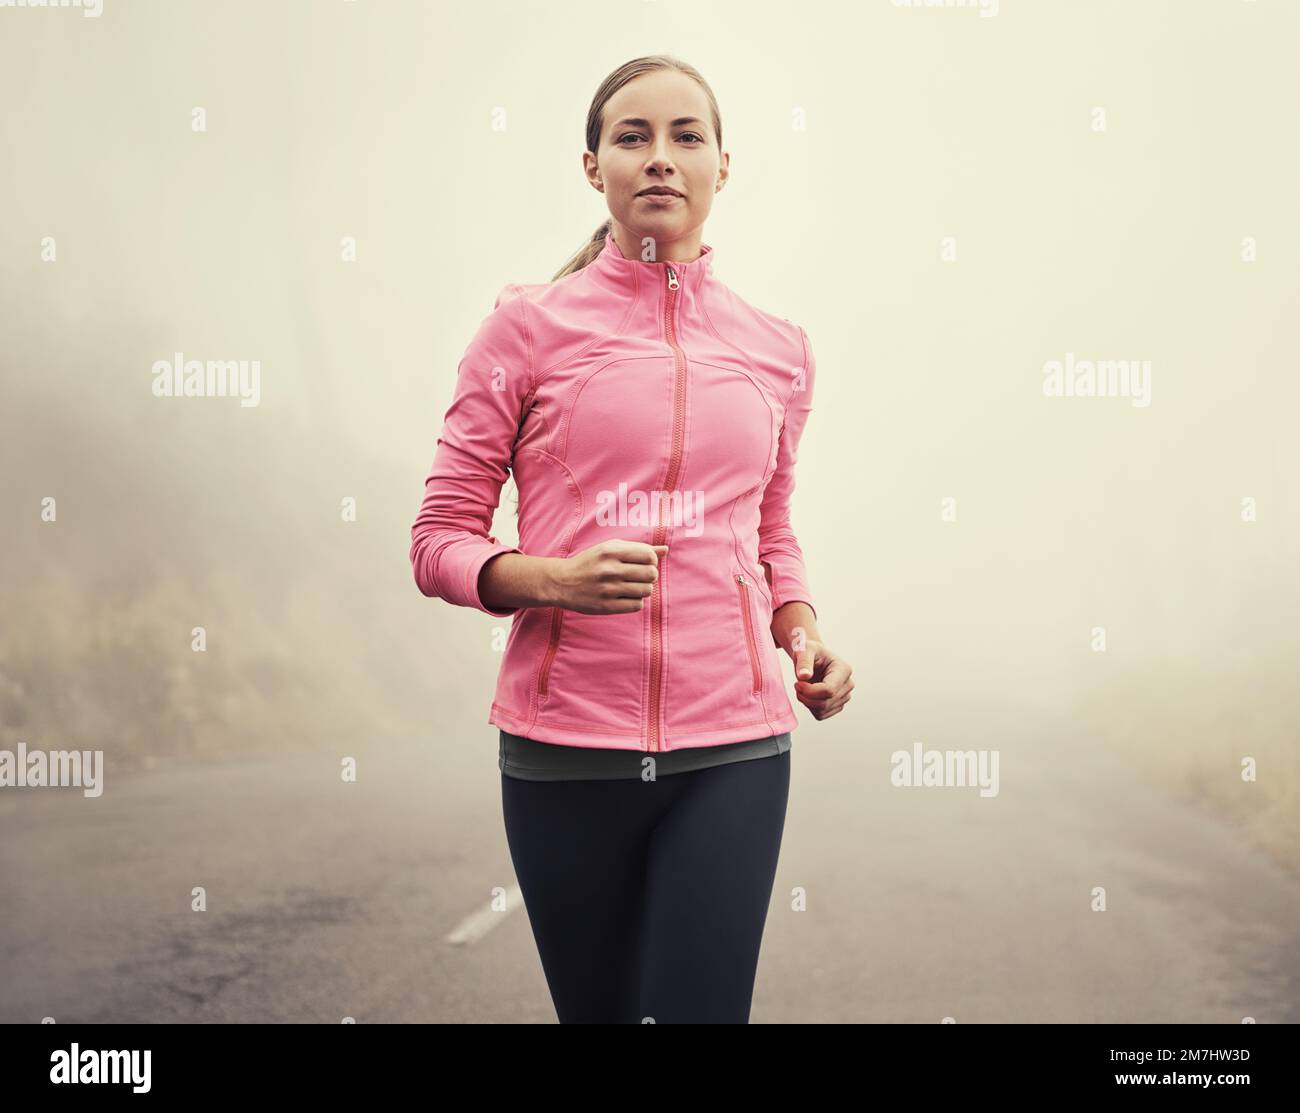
x=746, y=611
x=552, y=644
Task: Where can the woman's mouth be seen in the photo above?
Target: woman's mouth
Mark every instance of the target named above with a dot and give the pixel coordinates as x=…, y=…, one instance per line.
x=661, y=198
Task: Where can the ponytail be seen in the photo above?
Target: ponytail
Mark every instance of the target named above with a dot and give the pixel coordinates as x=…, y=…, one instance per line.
x=587, y=252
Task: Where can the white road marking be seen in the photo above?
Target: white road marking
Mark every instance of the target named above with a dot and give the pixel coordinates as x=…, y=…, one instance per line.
x=478, y=923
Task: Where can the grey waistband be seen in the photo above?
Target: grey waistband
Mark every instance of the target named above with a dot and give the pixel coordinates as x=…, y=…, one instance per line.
x=530, y=760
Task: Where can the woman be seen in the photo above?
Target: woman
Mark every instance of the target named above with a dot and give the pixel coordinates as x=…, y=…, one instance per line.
x=651, y=419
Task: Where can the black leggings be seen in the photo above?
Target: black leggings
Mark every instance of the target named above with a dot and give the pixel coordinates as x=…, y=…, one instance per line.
x=647, y=899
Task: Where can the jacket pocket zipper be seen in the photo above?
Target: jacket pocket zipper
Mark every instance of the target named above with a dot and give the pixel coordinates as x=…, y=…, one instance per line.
x=544, y=674
x=742, y=587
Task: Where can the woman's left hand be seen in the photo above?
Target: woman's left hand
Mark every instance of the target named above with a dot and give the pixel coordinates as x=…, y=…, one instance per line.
x=823, y=679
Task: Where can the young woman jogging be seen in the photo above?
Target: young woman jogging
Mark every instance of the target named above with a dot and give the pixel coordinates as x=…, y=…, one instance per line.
x=651, y=419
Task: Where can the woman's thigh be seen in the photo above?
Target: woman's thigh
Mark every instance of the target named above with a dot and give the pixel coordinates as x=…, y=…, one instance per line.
x=579, y=852
x=711, y=866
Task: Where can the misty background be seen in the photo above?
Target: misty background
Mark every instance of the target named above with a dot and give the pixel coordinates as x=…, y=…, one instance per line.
x=446, y=141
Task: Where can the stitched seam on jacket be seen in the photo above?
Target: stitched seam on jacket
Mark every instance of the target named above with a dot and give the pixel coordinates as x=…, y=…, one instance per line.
x=590, y=729
x=570, y=402
x=534, y=700
x=528, y=335
x=735, y=540
x=547, y=372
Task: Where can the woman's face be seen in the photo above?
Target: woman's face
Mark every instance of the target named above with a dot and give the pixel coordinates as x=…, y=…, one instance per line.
x=658, y=133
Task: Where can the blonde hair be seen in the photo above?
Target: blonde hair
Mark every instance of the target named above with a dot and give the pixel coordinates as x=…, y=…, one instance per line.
x=596, y=124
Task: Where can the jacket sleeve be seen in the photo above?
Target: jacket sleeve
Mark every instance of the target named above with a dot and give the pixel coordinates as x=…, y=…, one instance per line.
x=450, y=541
x=778, y=548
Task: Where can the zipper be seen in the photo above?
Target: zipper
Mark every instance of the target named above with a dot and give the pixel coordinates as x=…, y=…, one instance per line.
x=557, y=620
x=742, y=586
x=661, y=529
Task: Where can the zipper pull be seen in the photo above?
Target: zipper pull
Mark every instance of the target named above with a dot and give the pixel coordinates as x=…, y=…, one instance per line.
x=672, y=277
x=741, y=577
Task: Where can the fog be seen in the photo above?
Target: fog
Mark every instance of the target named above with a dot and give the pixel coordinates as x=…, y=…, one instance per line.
x=929, y=193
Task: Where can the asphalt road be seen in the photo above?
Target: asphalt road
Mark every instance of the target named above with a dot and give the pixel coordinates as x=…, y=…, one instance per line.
x=372, y=899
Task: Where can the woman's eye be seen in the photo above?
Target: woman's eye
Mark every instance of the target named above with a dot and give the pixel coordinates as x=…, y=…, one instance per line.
x=634, y=135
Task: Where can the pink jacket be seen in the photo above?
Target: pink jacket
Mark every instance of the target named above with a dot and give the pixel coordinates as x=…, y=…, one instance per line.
x=619, y=388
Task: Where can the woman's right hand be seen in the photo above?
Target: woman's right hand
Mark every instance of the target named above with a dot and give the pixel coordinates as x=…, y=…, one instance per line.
x=614, y=577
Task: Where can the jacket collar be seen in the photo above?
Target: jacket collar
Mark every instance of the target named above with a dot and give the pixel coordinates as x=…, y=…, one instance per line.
x=616, y=272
